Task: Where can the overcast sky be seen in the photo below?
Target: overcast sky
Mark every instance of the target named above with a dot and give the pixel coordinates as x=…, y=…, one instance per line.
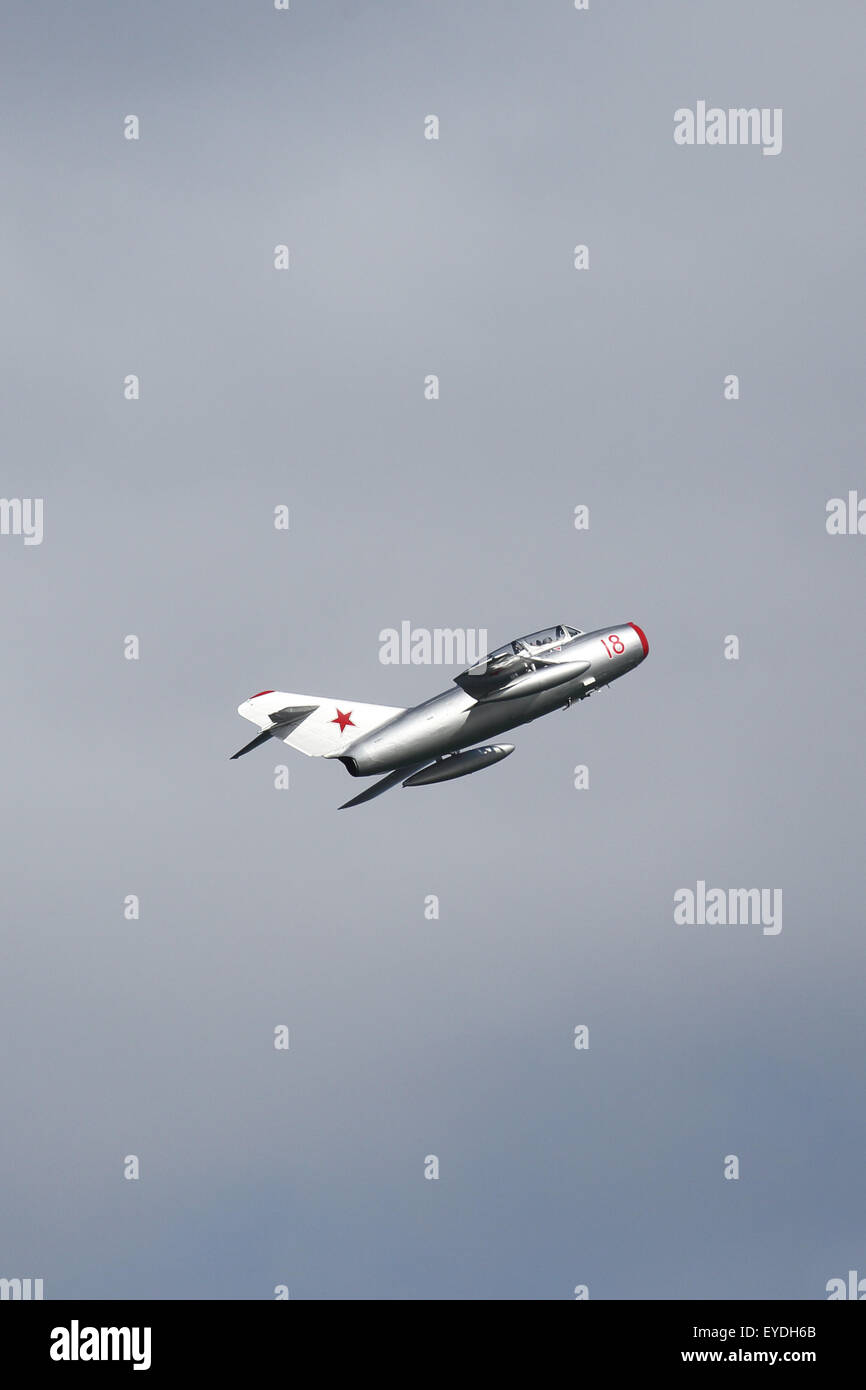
x=259, y=907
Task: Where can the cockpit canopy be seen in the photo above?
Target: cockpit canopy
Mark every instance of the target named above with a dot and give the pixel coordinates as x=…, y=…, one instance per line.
x=550, y=638
x=506, y=665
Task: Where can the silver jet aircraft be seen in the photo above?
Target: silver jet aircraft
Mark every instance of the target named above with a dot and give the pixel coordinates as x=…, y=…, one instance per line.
x=513, y=685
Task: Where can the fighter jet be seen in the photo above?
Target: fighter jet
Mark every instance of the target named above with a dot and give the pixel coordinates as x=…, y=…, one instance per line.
x=431, y=742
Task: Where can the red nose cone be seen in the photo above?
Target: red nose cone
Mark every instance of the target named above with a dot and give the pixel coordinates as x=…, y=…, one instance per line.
x=642, y=635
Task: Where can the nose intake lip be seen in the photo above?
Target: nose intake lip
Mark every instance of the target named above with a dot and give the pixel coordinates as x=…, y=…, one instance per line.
x=642, y=635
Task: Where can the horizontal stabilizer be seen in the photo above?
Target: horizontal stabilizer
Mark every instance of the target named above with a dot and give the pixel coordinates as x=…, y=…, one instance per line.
x=289, y=718
x=248, y=747
x=285, y=720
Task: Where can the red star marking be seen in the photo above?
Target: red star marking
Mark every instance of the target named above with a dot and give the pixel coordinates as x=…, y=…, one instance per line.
x=344, y=719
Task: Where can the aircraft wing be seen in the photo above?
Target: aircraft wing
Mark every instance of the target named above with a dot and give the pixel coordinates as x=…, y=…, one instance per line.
x=383, y=785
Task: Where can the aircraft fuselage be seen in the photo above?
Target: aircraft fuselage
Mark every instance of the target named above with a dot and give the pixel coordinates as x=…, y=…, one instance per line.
x=454, y=720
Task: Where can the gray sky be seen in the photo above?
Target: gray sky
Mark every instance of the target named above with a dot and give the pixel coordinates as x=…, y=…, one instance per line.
x=260, y=907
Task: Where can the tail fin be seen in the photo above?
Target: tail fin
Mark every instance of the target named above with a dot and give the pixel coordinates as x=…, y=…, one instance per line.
x=314, y=724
